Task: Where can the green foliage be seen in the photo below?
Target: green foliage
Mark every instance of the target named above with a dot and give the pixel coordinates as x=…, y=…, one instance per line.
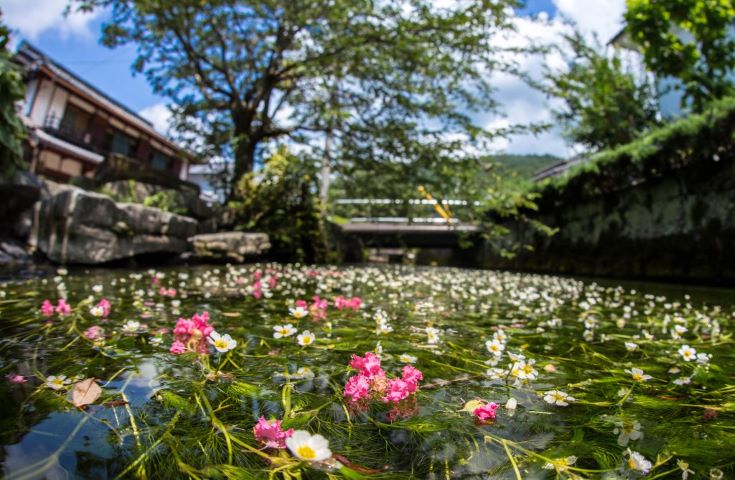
x=388, y=80
x=165, y=200
x=605, y=105
x=522, y=166
x=280, y=200
x=701, y=138
x=689, y=40
x=12, y=90
x=168, y=417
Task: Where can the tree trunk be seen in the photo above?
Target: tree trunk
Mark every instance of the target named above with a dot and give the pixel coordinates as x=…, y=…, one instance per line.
x=244, y=148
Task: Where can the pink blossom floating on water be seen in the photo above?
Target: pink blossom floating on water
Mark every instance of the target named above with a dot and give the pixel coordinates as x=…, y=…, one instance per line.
x=15, y=378
x=62, y=308
x=191, y=334
x=371, y=382
x=271, y=434
x=93, y=333
x=353, y=303
x=368, y=366
x=318, y=308
x=167, y=292
x=47, y=308
x=486, y=412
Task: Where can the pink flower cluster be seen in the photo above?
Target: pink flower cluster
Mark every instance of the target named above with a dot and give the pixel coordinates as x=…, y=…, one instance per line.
x=486, y=412
x=16, y=378
x=270, y=433
x=106, y=307
x=94, y=332
x=371, y=381
x=258, y=280
x=167, y=292
x=318, y=308
x=62, y=308
x=353, y=303
x=191, y=334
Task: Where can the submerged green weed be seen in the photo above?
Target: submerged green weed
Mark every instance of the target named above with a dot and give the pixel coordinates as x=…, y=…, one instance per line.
x=588, y=381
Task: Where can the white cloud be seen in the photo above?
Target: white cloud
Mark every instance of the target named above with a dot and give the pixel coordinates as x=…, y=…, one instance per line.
x=159, y=115
x=33, y=17
x=603, y=17
x=523, y=104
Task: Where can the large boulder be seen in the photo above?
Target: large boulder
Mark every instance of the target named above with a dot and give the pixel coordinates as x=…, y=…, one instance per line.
x=230, y=246
x=77, y=226
x=181, y=201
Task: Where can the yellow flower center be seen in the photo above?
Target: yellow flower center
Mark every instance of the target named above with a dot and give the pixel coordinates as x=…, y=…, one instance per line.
x=637, y=377
x=306, y=340
x=527, y=369
x=632, y=464
x=559, y=396
x=220, y=344
x=306, y=452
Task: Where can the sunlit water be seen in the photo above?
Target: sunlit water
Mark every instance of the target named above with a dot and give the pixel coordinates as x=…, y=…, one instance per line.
x=175, y=416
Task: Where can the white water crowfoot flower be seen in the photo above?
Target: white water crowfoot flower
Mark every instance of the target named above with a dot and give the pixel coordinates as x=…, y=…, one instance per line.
x=558, y=398
x=687, y=353
x=57, y=382
x=131, y=326
x=97, y=311
x=627, y=430
x=683, y=381
x=637, y=463
x=306, y=338
x=495, y=347
x=637, y=375
x=281, y=331
x=298, y=312
x=432, y=335
x=685, y=471
x=561, y=464
x=305, y=446
x=406, y=358
x=222, y=343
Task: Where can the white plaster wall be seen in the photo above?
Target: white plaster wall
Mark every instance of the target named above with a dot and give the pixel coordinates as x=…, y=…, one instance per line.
x=50, y=101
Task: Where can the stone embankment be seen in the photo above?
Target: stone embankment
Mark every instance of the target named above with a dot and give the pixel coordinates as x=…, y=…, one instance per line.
x=70, y=225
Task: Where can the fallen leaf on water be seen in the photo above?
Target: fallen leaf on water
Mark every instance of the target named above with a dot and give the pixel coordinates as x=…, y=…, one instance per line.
x=231, y=314
x=473, y=405
x=115, y=403
x=85, y=393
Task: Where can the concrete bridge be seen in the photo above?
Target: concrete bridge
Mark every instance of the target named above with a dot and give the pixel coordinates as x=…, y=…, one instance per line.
x=404, y=230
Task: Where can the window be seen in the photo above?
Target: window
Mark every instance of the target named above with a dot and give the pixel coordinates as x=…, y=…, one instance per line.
x=74, y=123
x=122, y=143
x=160, y=161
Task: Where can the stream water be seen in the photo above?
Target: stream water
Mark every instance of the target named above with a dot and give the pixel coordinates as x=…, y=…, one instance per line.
x=521, y=376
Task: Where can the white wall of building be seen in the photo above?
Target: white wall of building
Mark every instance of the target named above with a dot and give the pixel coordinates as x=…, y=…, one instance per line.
x=49, y=102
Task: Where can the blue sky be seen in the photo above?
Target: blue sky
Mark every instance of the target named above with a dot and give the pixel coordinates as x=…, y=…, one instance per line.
x=74, y=42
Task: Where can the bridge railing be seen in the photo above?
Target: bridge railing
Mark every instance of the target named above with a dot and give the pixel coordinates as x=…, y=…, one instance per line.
x=390, y=210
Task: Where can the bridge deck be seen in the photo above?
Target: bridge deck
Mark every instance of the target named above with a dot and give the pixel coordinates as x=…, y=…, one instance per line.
x=406, y=228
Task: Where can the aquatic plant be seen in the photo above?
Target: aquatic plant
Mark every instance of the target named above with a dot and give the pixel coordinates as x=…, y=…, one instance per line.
x=434, y=373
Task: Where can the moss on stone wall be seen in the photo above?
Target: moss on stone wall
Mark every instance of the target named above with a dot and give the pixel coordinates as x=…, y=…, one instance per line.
x=662, y=207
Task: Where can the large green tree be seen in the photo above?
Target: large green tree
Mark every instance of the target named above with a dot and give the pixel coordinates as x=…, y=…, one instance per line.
x=377, y=83
x=604, y=104
x=12, y=90
x=691, y=40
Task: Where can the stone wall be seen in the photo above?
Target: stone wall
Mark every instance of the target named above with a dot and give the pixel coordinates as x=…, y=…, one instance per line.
x=678, y=227
x=76, y=226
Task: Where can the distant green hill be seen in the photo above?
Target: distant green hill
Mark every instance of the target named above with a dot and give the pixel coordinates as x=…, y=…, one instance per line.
x=524, y=165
